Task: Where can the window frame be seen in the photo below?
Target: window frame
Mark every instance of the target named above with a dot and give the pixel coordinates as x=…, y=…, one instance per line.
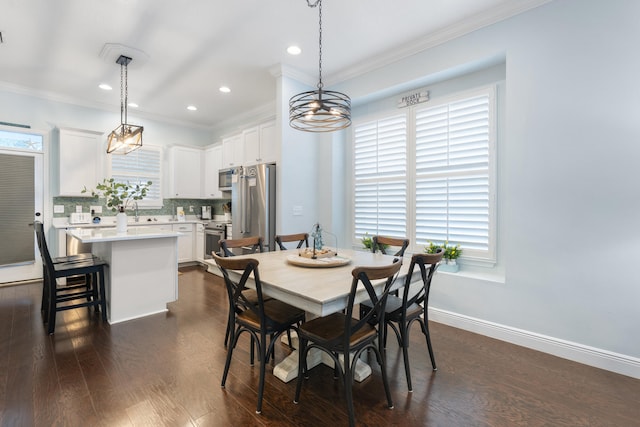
x=158, y=183
x=486, y=258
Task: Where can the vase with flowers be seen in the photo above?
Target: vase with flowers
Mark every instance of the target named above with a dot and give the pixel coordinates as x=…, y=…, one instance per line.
x=119, y=196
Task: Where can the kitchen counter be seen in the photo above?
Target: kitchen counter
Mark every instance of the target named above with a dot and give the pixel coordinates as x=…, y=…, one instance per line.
x=142, y=276
x=97, y=235
x=110, y=221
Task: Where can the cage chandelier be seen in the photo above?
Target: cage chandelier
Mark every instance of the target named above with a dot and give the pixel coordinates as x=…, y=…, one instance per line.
x=319, y=110
x=127, y=137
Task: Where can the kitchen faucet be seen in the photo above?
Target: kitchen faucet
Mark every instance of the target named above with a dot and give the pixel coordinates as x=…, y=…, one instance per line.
x=135, y=206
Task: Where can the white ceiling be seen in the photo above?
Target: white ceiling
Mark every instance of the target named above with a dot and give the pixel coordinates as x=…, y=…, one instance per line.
x=192, y=47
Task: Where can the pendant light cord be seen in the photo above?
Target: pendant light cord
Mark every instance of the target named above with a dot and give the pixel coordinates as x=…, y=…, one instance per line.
x=319, y=4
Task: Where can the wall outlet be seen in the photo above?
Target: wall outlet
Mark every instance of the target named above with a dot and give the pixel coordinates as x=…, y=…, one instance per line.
x=79, y=209
x=191, y=209
x=95, y=209
x=58, y=208
x=297, y=211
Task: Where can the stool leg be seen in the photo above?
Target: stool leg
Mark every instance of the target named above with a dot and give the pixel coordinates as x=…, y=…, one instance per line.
x=103, y=295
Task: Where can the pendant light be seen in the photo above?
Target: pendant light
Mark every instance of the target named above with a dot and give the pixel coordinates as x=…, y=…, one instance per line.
x=319, y=110
x=127, y=137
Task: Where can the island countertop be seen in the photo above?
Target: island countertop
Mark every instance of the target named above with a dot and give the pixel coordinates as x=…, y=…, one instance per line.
x=96, y=235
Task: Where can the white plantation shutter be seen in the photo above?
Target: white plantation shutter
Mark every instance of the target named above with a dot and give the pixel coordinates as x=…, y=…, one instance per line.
x=453, y=186
x=141, y=166
x=380, y=163
x=450, y=183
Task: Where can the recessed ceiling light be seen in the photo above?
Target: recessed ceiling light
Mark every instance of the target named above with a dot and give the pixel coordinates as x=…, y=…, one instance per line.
x=294, y=50
x=224, y=89
x=133, y=105
x=192, y=108
x=105, y=86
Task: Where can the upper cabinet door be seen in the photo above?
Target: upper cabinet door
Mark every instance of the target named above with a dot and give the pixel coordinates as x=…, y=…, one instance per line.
x=232, y=151
x=260, y=145
x=185, y=172
x=212, y=165
x=251, y=140
x=80, y=161
x=269, y=152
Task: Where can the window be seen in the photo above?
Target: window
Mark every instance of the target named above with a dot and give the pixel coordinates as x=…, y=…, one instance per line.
x=380, y=177
x=144, y=164
x=446, y=191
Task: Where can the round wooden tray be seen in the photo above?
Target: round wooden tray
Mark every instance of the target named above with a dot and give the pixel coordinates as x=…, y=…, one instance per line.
x=334, y=261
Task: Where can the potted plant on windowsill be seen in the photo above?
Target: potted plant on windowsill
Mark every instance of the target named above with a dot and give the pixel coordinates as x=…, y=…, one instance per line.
x=120, y=196
x=451, y=254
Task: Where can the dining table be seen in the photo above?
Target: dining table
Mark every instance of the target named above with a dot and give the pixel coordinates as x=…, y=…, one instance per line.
x=320, y=287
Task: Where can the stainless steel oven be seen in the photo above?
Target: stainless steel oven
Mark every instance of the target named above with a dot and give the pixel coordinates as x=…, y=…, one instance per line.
x=213, y=233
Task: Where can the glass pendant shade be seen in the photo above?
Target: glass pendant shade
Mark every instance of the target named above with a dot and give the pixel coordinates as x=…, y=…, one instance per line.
x=125, y=138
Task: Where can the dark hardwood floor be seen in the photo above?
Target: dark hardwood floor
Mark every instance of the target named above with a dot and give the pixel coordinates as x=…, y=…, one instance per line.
x=165, y=370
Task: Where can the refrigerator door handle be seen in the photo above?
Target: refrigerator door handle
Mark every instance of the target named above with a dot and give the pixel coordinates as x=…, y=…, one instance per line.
x=246, y=206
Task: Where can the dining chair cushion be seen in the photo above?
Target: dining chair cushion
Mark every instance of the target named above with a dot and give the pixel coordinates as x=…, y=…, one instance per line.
x=277, y=311
x=328, y=328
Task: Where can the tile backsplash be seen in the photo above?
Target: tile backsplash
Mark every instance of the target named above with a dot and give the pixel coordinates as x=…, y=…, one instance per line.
x=168, y=208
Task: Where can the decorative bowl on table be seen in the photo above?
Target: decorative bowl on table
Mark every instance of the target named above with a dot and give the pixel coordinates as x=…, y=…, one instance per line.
x=318, y=253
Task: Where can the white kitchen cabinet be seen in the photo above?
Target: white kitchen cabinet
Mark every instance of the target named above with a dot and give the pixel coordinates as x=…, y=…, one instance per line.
x=199, y=247
x=260, y=144
x=185, y=242
x=212, y=164
x=79, y=161
x=185, y=177
x=232, y=151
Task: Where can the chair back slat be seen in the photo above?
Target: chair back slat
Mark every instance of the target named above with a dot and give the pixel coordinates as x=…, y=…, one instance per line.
x=365, y=276
x=253, y=243
x=381, y=242
x=301, y=238
x=428, y=264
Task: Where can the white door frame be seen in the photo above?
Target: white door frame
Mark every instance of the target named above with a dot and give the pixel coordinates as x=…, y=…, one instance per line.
x=9, y=275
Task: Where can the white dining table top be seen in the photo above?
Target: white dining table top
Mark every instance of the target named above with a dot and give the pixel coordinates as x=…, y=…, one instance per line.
x=321, y=291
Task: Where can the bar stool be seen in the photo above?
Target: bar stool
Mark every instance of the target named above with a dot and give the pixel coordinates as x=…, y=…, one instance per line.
x=58, y=297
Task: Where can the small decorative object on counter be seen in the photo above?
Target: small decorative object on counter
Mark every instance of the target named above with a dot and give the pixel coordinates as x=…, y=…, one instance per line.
x=180, y=214
x=121, y=221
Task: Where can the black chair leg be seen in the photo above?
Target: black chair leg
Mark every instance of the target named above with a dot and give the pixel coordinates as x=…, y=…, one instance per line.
x=262, y=343
x=302, y=367
x=425, y=330
x=405, y=354
x=103, y=296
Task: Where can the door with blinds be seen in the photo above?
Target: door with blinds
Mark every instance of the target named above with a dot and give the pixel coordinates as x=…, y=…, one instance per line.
x=21, y=197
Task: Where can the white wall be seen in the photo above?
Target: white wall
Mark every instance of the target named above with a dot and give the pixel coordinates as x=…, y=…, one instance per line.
x=570, y=181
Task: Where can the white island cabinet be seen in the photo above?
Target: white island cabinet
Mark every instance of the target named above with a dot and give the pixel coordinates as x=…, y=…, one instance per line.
x=142, y=276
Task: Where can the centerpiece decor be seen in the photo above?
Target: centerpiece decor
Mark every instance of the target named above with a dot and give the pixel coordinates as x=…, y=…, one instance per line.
x=120, y=196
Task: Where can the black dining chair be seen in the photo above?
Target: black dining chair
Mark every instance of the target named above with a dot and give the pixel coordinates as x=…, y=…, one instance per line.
x=301, y=238
x=58, y=296
x=344, y=338
x=401, y=312
x=266, y=319
x=382, y=243
x=249, y=245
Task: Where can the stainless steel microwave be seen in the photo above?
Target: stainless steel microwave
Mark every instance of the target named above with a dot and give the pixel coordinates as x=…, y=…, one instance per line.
x=225, y=178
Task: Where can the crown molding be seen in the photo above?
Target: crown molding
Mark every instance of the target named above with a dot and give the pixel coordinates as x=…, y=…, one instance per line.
x=435, y=38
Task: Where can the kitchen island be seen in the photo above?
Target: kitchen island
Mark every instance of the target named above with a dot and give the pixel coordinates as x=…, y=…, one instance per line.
x=142, y=276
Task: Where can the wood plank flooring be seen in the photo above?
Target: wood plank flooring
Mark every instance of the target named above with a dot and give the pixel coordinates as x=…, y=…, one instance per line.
x=165, y=370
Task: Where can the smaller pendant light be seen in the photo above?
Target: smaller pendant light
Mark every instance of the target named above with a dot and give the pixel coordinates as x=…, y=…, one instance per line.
x=319, y=110
x=125, y=138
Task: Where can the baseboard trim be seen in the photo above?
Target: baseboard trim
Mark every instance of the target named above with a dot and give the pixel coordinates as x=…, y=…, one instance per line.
x=603, y=359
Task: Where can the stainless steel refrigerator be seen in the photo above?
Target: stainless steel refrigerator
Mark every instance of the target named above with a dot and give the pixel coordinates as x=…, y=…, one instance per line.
x=253, y=203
